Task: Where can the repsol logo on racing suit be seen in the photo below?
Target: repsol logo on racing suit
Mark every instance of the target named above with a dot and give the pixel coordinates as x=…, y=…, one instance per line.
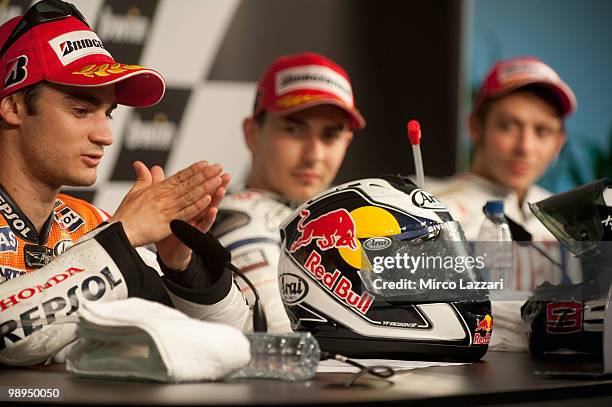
x=91, y=288
x=13, y=219
x=66, y=218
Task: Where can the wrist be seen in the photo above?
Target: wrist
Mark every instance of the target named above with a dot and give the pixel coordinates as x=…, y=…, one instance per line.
x=127, y=230
x=175, y=264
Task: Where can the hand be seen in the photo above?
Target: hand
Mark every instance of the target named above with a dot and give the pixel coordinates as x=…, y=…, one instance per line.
x=148, y=208
x=174, y=253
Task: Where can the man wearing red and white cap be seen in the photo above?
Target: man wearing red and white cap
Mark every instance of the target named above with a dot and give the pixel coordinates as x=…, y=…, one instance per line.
x=59, y=87
x=298, y=134
x=517, y=129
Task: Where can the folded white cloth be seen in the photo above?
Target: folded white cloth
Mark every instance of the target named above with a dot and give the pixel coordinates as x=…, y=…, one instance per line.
x=135, y=338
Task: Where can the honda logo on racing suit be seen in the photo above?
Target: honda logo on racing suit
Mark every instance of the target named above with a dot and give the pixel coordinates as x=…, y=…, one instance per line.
x=333, y=229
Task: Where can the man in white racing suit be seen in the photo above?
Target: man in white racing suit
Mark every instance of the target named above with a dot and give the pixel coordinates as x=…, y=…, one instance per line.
x=517, y=129
x=467, y=193
x=58, y=91
x=301, y=127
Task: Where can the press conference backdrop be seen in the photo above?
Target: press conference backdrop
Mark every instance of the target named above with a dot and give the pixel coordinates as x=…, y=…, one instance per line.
x=403, y=58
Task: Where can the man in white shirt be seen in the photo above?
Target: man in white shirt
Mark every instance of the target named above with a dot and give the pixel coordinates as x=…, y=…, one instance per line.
x=301, y=127
x=517, y=129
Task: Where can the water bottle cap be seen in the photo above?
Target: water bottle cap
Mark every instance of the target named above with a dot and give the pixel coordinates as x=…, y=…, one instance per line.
x=493, y=207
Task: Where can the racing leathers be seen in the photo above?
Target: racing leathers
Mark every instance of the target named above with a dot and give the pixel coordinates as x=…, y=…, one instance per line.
x=465, y=194
x=75, y=259
x=248, y=225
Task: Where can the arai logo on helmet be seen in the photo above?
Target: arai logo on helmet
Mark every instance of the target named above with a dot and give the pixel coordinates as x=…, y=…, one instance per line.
x=425, y=200
x=377, y=243
x=293, y=288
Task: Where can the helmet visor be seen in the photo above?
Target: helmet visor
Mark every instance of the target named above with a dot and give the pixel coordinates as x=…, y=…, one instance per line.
x=577, y=217
x=431, y=264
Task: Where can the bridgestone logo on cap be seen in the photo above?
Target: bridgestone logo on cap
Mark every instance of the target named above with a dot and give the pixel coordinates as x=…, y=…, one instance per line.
x=527, y=68
x=76, y=44
x=314, y=77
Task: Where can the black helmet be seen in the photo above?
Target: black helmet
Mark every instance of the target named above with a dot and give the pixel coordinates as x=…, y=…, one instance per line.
x=334, y=284
x=571, y=316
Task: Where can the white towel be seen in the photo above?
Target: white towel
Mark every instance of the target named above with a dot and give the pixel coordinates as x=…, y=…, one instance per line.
x=135, y=338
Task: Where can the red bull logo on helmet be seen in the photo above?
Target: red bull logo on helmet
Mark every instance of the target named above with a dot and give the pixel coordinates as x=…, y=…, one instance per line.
x=338, y=285
x=483, y=325
x=333, y=229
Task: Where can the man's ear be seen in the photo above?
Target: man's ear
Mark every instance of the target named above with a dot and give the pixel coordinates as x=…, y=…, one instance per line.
x=12, y=109
x=349, y=138
x=560, y=142
x=249, y=128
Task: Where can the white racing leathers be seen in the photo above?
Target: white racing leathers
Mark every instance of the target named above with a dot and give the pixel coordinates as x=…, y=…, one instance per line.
x=465, y=194
x=38, y=310
x=248, y=226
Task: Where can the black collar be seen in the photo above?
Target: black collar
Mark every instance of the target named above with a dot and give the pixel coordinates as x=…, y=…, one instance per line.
x=19, y=223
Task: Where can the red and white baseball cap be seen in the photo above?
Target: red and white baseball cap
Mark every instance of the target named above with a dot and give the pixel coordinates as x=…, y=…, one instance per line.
x=66, y=51
x=299, y=81
x=511, y=74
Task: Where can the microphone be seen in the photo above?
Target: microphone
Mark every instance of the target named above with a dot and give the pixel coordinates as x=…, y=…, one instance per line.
x=216, y=258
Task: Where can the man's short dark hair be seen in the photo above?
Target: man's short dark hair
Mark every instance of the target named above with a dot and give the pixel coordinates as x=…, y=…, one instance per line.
x=30, y=96
x=260, y=119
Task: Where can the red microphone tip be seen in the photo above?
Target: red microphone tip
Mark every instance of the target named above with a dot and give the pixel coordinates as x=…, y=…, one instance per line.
x=414, y=132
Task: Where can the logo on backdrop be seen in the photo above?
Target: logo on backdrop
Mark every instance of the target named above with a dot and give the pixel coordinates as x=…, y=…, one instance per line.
x=149, y=134
x=124, y=26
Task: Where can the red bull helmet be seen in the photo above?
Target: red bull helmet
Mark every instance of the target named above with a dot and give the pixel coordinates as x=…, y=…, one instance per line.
x=377, y=268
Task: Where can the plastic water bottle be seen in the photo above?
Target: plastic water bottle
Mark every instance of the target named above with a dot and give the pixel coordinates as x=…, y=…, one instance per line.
x=289, y=356
x=495, y=245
